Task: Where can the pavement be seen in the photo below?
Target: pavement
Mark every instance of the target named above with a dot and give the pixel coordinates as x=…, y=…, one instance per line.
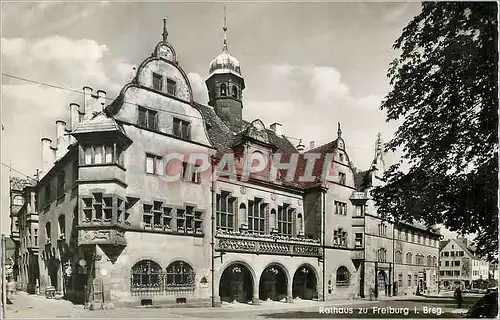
x=35, y=307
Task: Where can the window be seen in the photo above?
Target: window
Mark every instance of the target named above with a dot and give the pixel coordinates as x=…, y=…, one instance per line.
x=235, y=92
x=35, y=237
x=456, y=273
x=419, y=239
x=61, y=177
x=101, y=154
x=398, y=257
x=408, y=258
x=18, y=201
x=97, y=208
x=340, y=238
x=157, y=82
x=182, y=129
x=406, y=236
x=340, y=208
x=358, y=240
x=400, y=280
x=429, y=260
x=223, y=91
x=75, y=171
x=412, y=237
x=48, y=196
x=285, y=219
x=382, y=229
x=48, y=232
x=409, y=280
x=225, y=211
x=342, y=178
x=300, y=224
x=256, y=216
x=171, y=87
x=452, y=253
x=62, y=226
x=343, y=277
x=180, y=275
x=146, y=277
x=461, y=253
x=415, y=277
x=382, y=255
x=147, y=118
x=154, y=164
x=360, y=210
x=446, y=254
x=446, y=263
x=190, y=172
x=341, y=157
x=456, y=263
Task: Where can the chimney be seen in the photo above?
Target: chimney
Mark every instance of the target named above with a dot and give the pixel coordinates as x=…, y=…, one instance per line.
x=101, y=100
x=311, y=145
x=48, y=155
x=74, y=115
x=87, y=102
x=276, y=127
x=62, y=142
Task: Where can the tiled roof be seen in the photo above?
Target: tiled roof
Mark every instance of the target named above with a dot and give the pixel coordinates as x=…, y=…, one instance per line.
x=362, y=179
x=99, y=123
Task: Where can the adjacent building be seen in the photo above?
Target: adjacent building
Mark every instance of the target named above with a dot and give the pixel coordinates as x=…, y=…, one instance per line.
x=114, y=229
x=460, y=266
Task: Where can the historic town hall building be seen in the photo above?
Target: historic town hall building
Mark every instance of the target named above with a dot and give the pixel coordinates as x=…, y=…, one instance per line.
x=110, y=229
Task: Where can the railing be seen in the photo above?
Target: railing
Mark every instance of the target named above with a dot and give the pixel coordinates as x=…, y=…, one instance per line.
x=154, y=284
x=258, y=244
x=359, y=195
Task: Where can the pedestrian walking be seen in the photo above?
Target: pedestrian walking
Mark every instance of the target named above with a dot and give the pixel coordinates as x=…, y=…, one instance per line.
x=458, y=296
x=11, y=288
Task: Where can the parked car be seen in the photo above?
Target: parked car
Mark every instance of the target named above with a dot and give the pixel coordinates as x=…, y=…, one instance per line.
x=486, y=307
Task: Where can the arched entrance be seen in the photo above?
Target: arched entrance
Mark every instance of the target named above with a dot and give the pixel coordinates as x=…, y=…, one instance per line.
x=236, y=284
x=273, y=283
x=381, y=283
x=305, y=283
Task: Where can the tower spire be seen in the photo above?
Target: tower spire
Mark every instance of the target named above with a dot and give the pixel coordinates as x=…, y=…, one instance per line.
x=224, y=28
x=339, y=131
x=378, y=145
x=165, y=32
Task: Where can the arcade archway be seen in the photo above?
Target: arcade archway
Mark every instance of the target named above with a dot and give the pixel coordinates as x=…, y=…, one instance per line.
x=305, y=283
x=236, y=284
x=273, y=283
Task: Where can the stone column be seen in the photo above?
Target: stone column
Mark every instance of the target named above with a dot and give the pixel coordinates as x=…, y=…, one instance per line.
x=255, y=297
x=289, y=291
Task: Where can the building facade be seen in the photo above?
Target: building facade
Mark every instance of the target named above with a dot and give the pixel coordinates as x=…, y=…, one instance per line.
x=115, y=229
x=460, y=266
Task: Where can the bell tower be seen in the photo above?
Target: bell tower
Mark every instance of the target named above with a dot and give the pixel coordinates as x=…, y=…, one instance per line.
x=225, y=86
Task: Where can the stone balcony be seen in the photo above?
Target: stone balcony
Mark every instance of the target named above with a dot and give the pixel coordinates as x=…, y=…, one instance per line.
x=267, y=244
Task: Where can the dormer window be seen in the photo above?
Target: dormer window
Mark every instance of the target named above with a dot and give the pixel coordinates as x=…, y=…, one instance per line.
x=223, y=90
x=235, y=92
x=171, y=87
x=341, y=157
x=157, y=82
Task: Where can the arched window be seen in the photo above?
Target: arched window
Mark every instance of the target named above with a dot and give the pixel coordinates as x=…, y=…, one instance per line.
x=242, y=214
x=429, y=261
x=342, y=276
x=62, y=227
x=180, y=275
x=235, y=92
x=48, y=231
x=408, y=258
x=300, y=224
x=434, y=261
x=146, y=277
x=223, y=91
x=398, y=256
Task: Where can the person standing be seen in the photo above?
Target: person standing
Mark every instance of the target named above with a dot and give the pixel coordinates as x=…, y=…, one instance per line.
x=458, y=297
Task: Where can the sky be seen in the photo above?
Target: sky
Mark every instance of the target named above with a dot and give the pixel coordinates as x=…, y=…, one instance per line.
x=307, y=66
